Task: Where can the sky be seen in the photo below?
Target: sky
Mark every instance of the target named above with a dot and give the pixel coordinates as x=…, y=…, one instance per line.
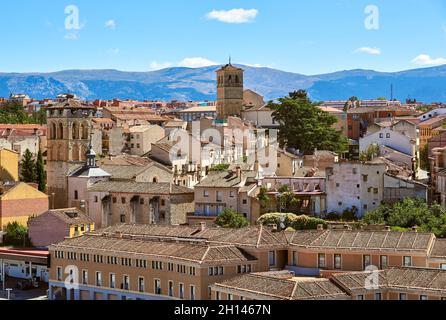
x=308, y=37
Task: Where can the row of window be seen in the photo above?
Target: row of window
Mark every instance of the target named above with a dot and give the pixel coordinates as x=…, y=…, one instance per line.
x=229, y=296
x=402, y=296
x=141, y=201
x=128, y=262
x=125, y=285
x=244, y=268
x=216, y=271
x=366, y=261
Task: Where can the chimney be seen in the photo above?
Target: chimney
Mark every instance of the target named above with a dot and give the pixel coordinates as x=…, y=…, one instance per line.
x=347, y=227
x=239, y=172
x=273, y=227
x=415, y=229
x=320, y=227
x=202, y=226
x=119, y=234
x=387, y=228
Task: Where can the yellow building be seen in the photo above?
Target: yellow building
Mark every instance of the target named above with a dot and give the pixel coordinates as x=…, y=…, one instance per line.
x=9, y=165
x=19, y=201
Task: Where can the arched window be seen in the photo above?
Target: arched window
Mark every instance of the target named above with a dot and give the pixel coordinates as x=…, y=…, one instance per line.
x=75, y=131
x=60, y=133
x=53, y=131
x=84, y=129
x=75, y=153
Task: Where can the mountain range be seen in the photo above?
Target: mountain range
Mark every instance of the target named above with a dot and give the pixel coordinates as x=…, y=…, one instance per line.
x=179, y=83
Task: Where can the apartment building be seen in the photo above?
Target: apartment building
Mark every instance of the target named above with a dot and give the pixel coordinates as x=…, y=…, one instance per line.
x=197, y=113
x=167, y=262
x=394, y=284
x=427, y=129
x=355, y=184
x=310, y=191
x=406, y=283
x=227, y=189
x=140, y=139
x=276, y=286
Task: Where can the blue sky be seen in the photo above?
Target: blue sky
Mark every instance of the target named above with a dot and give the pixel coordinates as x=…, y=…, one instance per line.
x=308, y=37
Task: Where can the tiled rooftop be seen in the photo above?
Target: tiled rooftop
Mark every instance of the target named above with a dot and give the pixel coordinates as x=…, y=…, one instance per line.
x=350, y=240
x=274, y=288
x=396, y=278
x=183, y=250
x=139, y=188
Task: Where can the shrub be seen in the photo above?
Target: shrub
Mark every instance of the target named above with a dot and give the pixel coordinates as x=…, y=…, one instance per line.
x=293, y=221
x=230, y=219
x=275, y=218
x=307, y=223
x=16, y=235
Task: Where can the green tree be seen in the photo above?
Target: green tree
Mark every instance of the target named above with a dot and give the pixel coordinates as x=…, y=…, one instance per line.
x=306, y=127
x=228, y=218
x=353, y=102
x=40, y=172
x=410, y=213
x=28, y=167
x=424, y=158
x=263, y=198
x=16, y=235
x=370, y=153
x=220, y=167
x=287, y=200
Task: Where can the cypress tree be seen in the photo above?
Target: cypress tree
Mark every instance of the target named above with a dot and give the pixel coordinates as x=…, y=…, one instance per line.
x=28, y=167
x=40, y=172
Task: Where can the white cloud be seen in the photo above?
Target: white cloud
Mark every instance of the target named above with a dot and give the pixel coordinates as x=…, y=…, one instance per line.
x=369, y=50
x=258, y=65
x=155, y=65
x=426, y=60
x=110, y=24
x=233, y=16
x=196, y=62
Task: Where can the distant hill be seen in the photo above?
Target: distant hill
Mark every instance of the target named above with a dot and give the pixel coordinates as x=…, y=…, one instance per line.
x=427, y=84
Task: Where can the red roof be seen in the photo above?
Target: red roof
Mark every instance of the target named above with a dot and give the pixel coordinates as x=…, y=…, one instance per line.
x=26, y=252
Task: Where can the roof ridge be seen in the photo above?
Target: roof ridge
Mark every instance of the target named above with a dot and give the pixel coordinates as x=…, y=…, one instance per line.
x=205, y=253
x=260, y=236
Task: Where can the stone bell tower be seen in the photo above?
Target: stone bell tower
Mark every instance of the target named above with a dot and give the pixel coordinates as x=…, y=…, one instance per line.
x=229, y=91
x=69, y=136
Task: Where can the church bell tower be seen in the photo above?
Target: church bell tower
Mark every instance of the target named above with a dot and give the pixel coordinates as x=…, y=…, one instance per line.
x=229, y=91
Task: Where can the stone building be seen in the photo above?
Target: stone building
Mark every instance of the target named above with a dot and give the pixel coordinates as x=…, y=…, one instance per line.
x=115, y=202
x=229, y=92
x=69, y=135
x=355, y=184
